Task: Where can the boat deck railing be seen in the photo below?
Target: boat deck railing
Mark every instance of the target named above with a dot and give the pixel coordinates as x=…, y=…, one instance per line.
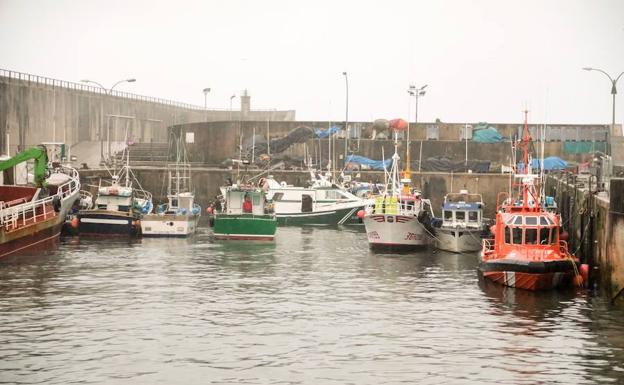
x=14, y=217
x=488, y=247
x=18, y=216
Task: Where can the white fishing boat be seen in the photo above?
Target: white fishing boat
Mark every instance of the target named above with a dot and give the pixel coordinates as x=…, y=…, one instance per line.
x=118, y=207
x=322, y=203
x=179, y=216
x=462, y=223
x=399, y=218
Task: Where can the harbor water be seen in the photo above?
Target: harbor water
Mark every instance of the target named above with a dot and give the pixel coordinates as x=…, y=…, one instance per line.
x=313, y=307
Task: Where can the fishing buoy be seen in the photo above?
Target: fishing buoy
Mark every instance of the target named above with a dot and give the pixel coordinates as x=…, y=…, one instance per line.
x=578, y=281
x=360, y=214
x=398, y=124
x=209, y=210
x=584, y=271
x=74, y=222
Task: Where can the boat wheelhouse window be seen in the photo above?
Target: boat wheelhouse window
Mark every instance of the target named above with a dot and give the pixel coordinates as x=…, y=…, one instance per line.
x=278, y=196
x=518, y=220
x=544, y=236
x=531, y=221
x=543, y=221
x=256, y=199
x=448, y=215
x=473, y=216
x=507, y=234
x=331, y=194
x=530, y=235
x=460, y=215
x=517, y=234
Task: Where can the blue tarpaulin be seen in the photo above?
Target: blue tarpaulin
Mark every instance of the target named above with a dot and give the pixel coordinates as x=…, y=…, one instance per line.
x=486, y=134
x=325, y=133
x=374, y=164
x=550, y=163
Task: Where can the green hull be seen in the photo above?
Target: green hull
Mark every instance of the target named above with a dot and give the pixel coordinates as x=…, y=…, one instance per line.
x=346, y=216
x=245, y=227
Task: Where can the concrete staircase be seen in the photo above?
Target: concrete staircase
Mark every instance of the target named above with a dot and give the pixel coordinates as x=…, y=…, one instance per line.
x=146, y=154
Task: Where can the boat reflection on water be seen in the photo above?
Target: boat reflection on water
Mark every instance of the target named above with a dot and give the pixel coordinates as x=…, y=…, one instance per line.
x=530, y=304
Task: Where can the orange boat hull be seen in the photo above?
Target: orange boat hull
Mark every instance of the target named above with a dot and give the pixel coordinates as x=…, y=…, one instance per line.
x=529, y=281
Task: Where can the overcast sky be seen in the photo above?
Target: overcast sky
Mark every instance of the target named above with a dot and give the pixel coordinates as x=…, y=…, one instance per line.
x=482, y=60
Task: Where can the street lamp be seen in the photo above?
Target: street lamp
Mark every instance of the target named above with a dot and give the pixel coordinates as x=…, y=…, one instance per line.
x=346, y=115
x=231, y=97
x=107, y=91
x=206, y=91
x=613, y=92
x=416, y=93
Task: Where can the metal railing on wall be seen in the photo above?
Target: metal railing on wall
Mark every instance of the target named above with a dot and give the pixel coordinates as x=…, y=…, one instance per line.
x=42, y=80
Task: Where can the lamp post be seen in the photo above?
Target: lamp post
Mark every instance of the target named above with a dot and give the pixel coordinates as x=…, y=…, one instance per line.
x=416, y=93
x=107, y=91
x=346, y=115
x=231, y=97
x=206, y=91
x=613, y=92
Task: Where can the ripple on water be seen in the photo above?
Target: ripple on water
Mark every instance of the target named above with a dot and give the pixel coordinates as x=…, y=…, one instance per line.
x=315, y=306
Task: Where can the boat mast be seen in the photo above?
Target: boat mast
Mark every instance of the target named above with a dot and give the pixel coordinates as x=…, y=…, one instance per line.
x=407, y=174
x=528, y=187
x=394, y=172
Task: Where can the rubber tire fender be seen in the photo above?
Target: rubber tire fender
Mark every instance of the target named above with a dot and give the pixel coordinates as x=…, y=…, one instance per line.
x=56, y=203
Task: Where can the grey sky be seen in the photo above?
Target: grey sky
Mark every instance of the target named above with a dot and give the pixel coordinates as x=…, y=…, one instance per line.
x=482, y=60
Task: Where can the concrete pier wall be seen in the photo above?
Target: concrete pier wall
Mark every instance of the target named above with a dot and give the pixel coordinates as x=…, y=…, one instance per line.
x=595, y=224
x=36, y=109
x=207, y=181
x=213, y=142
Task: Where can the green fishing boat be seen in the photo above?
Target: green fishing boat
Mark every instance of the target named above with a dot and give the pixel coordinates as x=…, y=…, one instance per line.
x=245, y=215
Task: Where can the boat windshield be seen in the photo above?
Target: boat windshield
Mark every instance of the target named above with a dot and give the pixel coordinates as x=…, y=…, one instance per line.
x=519, y=235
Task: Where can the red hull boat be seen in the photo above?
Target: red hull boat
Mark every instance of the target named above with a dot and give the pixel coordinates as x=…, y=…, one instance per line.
x=527, y=251
x=31, y=217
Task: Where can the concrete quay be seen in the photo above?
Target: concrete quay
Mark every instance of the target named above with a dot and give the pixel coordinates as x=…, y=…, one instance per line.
x=206, y=182
x=594, y=220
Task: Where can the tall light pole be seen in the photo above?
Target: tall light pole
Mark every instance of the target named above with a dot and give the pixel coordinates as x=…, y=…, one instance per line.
x=231, y=97
x=346, y=115
x=613, y=92
x=206, y=91
x=416, y=93
x=107, y=91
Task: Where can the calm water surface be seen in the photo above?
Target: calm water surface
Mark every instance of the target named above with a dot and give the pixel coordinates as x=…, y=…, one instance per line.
x=315, y=307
